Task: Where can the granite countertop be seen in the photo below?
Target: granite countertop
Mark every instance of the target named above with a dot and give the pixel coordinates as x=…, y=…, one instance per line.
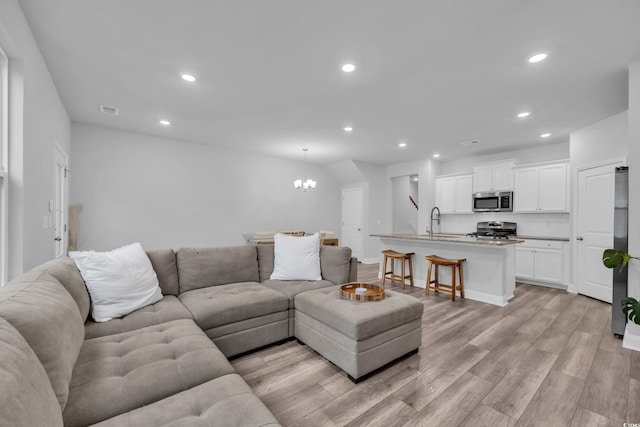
x=452, y=238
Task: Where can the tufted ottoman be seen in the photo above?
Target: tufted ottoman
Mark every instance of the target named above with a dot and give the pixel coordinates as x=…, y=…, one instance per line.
x=358, y=337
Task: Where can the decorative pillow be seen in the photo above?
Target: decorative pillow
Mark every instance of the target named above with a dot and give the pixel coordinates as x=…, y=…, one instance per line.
x=119, y=282
x=296, y=258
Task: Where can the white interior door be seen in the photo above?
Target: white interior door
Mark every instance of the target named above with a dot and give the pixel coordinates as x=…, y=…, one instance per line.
x=60, y=203
x=352, y=214
x=594, y=218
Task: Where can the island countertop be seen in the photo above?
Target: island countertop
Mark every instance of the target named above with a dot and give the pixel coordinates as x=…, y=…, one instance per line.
x=452, y=238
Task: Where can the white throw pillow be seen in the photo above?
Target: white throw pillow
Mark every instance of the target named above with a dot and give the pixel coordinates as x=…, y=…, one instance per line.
x=296, y=258
x=119, y=282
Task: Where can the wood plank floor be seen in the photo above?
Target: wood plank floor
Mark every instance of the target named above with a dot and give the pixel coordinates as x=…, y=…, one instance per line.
x=547, y=359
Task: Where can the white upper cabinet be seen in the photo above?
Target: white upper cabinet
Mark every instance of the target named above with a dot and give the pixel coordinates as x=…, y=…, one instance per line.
x=541, y=188
x=453, y=193
x=493, y=177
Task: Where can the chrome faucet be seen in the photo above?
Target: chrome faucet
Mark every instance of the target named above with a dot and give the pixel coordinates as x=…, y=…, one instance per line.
x=436, y=218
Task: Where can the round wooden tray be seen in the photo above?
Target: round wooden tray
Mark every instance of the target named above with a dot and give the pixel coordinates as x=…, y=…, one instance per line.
x=374, y=292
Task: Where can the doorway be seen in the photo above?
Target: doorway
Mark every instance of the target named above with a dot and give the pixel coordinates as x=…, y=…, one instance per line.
x=594, y=228
x=352, y=220
x=60, y=202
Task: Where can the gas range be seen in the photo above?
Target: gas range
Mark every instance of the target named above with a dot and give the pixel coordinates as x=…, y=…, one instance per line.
x=494, y=230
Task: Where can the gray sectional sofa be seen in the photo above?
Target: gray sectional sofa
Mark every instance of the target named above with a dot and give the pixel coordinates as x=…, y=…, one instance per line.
x=163, y=364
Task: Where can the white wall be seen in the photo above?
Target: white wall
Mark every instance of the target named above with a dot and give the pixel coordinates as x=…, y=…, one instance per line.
x=606, y=139
x=169, y=194
x=37, y=120
x=400, y=204
x=377, y=209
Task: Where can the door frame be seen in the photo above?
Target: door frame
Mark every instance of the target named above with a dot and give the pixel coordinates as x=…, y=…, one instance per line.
x=59, y=153
x=622, y=160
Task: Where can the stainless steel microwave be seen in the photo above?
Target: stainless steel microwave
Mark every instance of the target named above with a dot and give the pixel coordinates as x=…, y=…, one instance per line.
x=494, y=201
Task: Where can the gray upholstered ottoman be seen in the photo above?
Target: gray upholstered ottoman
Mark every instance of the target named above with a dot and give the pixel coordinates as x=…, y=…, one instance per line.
x=359, y=337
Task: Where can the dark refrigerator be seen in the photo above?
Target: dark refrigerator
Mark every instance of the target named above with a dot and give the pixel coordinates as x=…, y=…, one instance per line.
x=620, y=243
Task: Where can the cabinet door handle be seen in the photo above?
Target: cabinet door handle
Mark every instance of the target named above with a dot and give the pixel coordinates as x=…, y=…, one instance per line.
x=579, y=238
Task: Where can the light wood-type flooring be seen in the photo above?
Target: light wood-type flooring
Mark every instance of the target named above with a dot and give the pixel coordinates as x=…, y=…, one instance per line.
x=547, y=359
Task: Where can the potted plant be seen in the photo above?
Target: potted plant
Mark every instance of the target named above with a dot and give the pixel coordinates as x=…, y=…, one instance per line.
x=630, y=306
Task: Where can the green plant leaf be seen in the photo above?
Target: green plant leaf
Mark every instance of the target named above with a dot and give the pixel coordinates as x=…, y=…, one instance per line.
x=612, y=258
x=631, y=309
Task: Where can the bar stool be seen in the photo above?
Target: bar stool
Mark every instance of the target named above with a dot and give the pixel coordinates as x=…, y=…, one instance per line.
x=437, y=261
x=393, y=256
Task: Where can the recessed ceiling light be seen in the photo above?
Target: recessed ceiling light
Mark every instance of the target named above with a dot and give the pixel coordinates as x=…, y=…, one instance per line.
x=545, y=135
x=347, y=128
x=436, y=155
x=164, y=122
x=188, y=77
x=348, y=68
x=415, y=179
x=402, y=144
x=538, y=57
x=524, y=114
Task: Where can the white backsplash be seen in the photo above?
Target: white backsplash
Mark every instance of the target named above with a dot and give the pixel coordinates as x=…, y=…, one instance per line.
x=546, y=225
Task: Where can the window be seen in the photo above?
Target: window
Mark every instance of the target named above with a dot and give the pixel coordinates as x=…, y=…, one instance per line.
x=4, y=160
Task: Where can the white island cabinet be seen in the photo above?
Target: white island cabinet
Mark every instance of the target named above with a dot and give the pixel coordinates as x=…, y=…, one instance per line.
x=489, y=270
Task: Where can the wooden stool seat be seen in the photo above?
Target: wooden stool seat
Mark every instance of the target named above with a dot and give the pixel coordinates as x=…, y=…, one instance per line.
x=393, y=256
x=455, y=264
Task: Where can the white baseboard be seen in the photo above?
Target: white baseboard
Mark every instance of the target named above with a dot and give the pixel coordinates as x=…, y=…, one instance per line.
x=369, y=260
x=630, y=341
x=572, y=289
x=484, y=297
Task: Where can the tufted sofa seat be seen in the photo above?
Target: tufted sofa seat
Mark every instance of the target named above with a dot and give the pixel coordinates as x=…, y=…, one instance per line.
x=165, y=363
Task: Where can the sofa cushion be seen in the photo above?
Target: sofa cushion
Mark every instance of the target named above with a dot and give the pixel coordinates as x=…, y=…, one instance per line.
x=265, y=261
x=291, y=288
x=225, y=401
x=119, y=281
x=119, y=373
x=64, y=269
x=164, y=264
x=167, y=309
x=48, y=318
x=220, y=305
x=335, y=262
x=26, y=396
x=200, y=268
x=296, y=258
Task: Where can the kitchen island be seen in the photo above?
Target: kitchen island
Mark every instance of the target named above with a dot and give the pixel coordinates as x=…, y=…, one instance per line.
x=489, y=272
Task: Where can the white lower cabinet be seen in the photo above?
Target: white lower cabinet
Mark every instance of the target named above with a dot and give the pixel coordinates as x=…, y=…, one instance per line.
x=541, y=261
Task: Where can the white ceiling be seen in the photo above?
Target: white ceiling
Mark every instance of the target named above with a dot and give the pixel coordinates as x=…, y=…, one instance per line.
x=432, y=73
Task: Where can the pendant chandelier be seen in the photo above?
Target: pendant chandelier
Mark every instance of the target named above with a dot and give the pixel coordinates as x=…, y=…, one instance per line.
x=304, y=184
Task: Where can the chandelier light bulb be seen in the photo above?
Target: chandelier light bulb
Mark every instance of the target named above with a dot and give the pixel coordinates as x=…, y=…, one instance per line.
x=306, y=184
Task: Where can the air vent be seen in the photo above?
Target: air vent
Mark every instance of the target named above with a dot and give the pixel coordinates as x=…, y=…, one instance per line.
x=467, y=143
x=113, y=111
